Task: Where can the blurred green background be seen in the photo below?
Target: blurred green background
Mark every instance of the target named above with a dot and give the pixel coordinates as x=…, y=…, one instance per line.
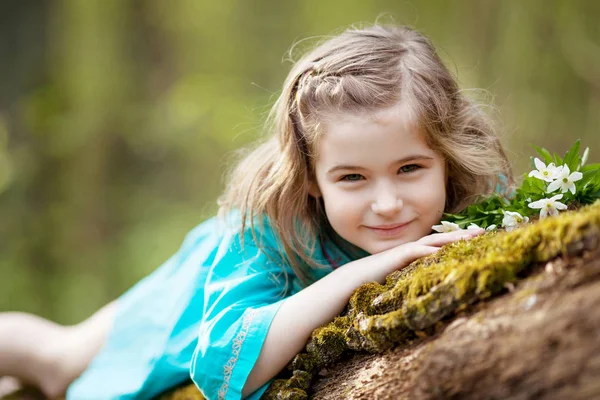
x=116, y=117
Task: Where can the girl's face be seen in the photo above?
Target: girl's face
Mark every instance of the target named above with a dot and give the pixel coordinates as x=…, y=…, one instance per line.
x=381, y=184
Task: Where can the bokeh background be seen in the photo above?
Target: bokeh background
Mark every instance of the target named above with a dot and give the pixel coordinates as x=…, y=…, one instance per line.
x=117, y=117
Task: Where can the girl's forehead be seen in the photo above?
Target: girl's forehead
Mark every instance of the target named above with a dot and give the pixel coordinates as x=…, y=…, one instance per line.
x=399, y=109
x=383, y=131
x=397, y=117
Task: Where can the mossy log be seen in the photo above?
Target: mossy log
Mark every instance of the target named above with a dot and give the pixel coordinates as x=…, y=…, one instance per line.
x=539, y=341
x=504, y=315
x=413, y=308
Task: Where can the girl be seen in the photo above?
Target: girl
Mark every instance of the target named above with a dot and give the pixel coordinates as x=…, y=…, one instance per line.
x=371, y=142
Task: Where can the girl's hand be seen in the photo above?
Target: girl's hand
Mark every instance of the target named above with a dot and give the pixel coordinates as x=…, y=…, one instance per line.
x=439, y=239
x=402, y=255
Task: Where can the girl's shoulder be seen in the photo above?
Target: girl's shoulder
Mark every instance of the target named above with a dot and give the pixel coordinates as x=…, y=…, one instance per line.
x=258, y=236
x=226, y=234
x=230, y=226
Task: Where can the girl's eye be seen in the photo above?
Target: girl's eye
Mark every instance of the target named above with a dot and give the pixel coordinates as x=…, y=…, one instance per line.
x=409, y=168
x=352, y=177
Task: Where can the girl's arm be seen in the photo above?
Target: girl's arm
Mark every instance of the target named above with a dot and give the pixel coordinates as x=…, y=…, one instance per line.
x=321, y=302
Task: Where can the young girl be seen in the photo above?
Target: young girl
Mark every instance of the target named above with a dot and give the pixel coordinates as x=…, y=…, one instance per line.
x=372, y=140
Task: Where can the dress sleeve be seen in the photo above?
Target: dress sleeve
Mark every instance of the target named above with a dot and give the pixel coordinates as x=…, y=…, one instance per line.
x=244, y=290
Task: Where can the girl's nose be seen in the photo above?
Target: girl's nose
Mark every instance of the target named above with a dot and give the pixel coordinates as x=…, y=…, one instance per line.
x=387, y=206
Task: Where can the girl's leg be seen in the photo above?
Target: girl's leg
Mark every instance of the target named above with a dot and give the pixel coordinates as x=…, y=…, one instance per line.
x=47, y=355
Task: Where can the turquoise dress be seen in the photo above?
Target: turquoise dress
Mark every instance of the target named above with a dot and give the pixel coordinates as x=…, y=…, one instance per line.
x=203, y=314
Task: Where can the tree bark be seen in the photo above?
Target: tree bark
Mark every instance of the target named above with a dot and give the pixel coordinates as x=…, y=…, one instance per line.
x=539, y=341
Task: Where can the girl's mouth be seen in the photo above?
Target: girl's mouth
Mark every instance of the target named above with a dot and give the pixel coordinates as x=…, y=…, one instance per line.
x=389, y=230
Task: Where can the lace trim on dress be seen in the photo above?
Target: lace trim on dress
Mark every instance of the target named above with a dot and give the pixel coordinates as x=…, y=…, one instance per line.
x=238, y=341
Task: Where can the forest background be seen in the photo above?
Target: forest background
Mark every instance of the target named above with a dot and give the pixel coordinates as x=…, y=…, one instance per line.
x=118, y=118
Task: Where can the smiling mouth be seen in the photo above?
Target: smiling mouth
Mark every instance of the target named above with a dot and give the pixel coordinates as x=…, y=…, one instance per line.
x=389, y=230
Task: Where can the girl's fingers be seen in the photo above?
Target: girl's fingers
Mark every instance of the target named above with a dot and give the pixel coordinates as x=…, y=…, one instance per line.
x=440, y=239
x=399, y=257
x=413, y=252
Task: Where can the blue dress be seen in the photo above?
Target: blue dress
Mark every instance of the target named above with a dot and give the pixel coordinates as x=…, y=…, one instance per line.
x=203, y=314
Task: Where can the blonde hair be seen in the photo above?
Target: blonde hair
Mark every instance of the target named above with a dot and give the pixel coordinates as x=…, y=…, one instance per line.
x=358, y=71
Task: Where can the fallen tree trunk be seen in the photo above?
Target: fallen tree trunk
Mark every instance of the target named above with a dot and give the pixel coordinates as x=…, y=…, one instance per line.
x=540, y=341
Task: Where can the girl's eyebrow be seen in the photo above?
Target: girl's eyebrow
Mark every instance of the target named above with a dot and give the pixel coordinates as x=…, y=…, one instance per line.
x=400, y=161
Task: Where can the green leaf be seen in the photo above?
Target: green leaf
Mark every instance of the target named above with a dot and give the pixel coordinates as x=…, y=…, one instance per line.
x=558, y=161
x=588, y=185
x=592, y=176
x=532, y=186
x=590, y=179
x=590, y=167
x=572, y=158
x=545, y=154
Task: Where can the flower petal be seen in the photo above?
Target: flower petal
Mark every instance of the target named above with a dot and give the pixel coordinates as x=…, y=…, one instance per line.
x=564, y=187
x=537, y=204
x=537, y=174
x=560, y=206
x=575, y=176
x=539, y=164
x=553, y=186
x=439, y=228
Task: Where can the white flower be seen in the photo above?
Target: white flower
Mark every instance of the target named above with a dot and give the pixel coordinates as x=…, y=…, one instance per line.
x=565, y=181
x=475, y=227
x=549, y=206
x=543, y=172
x=512, y=220
x=446, y=227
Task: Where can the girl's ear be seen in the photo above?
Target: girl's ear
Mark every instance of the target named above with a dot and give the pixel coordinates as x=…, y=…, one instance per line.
x=313, y=189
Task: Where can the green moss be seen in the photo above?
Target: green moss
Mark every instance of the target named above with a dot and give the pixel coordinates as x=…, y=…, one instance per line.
x=430, y=289
x=327, y=343
x=305, y=362
x=281, y=389
x=377, y=333
x=362, y=299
